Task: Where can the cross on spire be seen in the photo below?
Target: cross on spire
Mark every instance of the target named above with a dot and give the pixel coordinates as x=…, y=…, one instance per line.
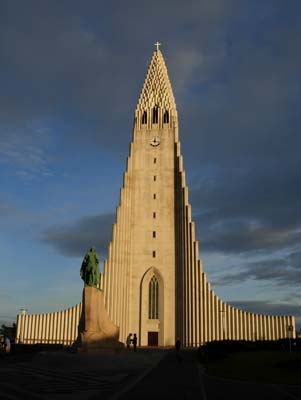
x=157, y=44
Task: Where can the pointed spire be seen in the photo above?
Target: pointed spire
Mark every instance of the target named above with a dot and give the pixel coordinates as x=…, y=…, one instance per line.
x=156, y=90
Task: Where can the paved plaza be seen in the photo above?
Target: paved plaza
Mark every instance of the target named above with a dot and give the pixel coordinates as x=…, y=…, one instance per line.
x=147, y=374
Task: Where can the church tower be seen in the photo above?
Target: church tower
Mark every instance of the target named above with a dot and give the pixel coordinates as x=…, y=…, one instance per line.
x=153, y=281
x=140, y=273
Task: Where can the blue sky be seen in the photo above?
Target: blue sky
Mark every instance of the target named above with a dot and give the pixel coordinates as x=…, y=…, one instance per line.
x=70, y=77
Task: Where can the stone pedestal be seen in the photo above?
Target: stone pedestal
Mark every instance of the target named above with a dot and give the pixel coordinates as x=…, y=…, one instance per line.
x=96, y=331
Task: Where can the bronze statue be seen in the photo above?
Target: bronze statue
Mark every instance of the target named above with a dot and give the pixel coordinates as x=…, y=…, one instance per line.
x=89, y=271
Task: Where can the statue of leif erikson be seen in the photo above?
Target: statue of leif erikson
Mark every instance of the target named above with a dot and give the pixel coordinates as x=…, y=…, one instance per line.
x=89, y=271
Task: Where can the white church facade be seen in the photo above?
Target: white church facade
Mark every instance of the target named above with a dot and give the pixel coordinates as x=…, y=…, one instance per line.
x=153, y=281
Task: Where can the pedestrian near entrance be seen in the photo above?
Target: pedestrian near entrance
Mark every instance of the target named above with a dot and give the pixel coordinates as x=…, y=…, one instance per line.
x=178, y=347
x=7, y=345
x=129, y=340
x=134, y=341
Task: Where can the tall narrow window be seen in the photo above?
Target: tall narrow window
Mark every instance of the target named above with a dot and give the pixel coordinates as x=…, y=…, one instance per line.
x=154, y=254
x=154, y=234
x=166, y=117
x=155, y=178
x=153, y=298
x=155, y=115
x=144, y=117
x=154, y=196
x=155, y=160
x=154, y=215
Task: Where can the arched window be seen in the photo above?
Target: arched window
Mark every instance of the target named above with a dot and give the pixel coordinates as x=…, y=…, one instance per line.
x=155, y=115
x=144, y=117
x=153, y=298
x=166, y=117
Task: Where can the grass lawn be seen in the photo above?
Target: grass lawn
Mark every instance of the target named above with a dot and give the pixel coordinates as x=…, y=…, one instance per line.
x=261, y=366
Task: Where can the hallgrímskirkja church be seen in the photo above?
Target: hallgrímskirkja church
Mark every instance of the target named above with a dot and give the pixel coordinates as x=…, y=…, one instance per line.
x=153, y=281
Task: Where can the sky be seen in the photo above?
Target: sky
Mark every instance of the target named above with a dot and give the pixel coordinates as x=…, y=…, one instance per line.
x=70, y=77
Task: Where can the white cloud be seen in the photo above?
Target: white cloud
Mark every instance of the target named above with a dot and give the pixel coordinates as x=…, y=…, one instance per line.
x=25, y=152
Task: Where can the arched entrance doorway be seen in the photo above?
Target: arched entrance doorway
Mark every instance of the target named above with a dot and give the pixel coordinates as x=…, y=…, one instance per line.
x=151, y=321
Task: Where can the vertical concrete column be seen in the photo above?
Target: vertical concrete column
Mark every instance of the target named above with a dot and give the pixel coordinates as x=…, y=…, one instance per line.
x=49, y=328
x=29, y=329
x=249, y=331
x=252, y=326
x=122, y=280
x=240, y=313
x=232, y=335
x=192, y=284
x=197, y=297
x=264, y=327
x=209, y=315
x=188, y=252
x=55, y=327
x=244, y=325
x=20, y=328
x=293, y=324
x=39, y=334
x=73, y=324
x=65, y=316
x=59, y=326
x=27, y=324
x=116, y=288
x=269, y=324
x=212, y=316
x=109, y=280
x=216, y=312
x=128, y=246
x=19, y=321
x=272, y=327
x=185, y=272
x=222, y=320
x=43, y=328
x=120, y=271
x=280, y=325
x=257, y=323
x=37, y=326
x=33, y=328
x=113, y=273
x=228, y=322
x=276, y=327
x=267, y=333
x=286, y=324
x=68, y=327
x=259, y=326
x=235, y=333
x=205, y=308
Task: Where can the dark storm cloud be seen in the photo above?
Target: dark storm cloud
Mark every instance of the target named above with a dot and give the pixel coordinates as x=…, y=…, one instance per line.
x=76, y=238
x=82, y=62
x=241, y=211
x=285, y=270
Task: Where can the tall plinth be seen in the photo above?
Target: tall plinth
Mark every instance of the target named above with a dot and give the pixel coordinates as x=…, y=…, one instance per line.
x=96, y=331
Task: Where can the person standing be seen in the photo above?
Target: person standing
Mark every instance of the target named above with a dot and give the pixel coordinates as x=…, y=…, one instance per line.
x=7, y=345
x=178, y=347
x=178, y=344
x=129, y=340
x=135, y=342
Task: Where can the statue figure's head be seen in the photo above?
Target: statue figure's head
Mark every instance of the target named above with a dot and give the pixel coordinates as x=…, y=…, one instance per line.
x=92, y=249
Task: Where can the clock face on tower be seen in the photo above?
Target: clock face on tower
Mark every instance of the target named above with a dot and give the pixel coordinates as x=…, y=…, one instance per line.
x=155, y=141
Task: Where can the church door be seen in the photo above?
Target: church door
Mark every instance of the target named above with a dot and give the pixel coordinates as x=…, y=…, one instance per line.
x=152, y=339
